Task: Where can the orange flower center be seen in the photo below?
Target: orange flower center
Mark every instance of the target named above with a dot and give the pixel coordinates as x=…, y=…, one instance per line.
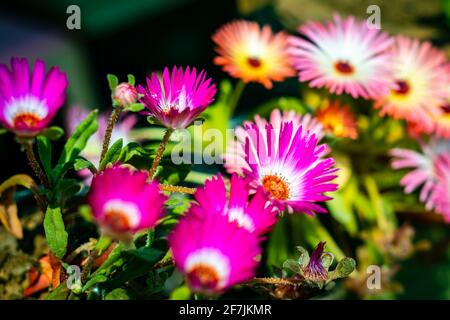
x=277, y=187
x=344, y=67
x=204, y=276
x=402, y=87
x=254, y=62
x=117, y=220
x=28, y=120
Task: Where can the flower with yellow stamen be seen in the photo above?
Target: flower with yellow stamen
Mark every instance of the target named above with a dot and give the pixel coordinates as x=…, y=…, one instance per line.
x=338, y=120
x=251, y=53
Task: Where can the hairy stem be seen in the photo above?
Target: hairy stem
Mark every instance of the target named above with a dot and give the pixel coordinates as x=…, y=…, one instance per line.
x=88, y=265
x=275, y=281
x=160, y=152
x=28, y=146
x=171, y=188
x=111, y=122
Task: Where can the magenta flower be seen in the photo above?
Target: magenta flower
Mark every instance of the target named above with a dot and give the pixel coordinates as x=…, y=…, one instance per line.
x=179, y=98
x=29, y=99
x=123, y=201
x=423, y=165
x=343, y=56
x=252, y=215
x=288, y=164
x=315, y=269
x=441, y=192
x=213, y=253
x=235, y=154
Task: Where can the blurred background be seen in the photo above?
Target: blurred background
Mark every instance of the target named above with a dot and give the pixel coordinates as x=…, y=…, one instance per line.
x=139, y=36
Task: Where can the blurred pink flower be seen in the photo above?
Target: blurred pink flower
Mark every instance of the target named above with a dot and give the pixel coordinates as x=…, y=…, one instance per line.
x=30, y=99
x=343, y=55
x=441, y=193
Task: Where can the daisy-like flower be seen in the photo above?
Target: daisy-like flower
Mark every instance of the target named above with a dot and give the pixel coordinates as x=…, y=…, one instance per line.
x=441, y=193
x=338, y=120
x=442, y=118
x=423, y=165
x=213, y=253
x=251, y=214
x=253, y=54
x=288, y=164
x=421, y=78
x=29, y=99
x=179, y=97
x=235, y=154
x=343, y=56
x=92, y=151
x=123, y=201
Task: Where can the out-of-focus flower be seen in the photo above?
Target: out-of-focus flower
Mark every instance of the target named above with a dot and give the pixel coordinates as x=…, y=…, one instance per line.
x=423, y=165
x=253, y=54
x=123, y=201
x=442, y=118
x=288, y=164
x=235, y=154
x=338, y=120
x=179, y=98
x=213, y=253
x=92, y=151
x=125, y=94
x=421, y=78
x=343, y=56
x=29, y=99
x=441, y=193
x=250, y=214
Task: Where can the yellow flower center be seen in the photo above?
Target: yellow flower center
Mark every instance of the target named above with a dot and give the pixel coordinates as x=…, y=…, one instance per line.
x=203, y=275
x=276, y=186
x=27, y=119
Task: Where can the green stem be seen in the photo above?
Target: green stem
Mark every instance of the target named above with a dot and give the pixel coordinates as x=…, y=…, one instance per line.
x=28, y=146
x=237, y=93
x=111, y=122
x=160, y=152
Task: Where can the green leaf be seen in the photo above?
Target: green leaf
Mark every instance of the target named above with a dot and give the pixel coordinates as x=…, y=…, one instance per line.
x=131, y=150
x=82, y=163
x=135, y=107
x=76, y=143
x=53, y=133
x=98, y=278
x=3, y=130
x=113, y=81
x=113, y=154
x=59, y=293
x=55, y=231
x=344, y=268
x=117, y=294
x=181, y=293
x=131, y=79
x=45, y=155
x=172, y=174
x=293, y=266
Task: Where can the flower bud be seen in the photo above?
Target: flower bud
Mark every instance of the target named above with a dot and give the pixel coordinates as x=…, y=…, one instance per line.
x=125, y=94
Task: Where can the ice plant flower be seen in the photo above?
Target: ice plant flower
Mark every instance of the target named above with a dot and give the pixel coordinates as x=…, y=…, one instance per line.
x=29, y=99
x=423, y=165
x=125, y=94
x=289, y=166
x=251, y=214
x=315, y=270
x=338, y=120
x=122, y=130
x=421, y=78
x=253, y=54
x=442, y=118
x=441, y=193
x=179, y=98
x=235, y=154
x=344, y=56
x=123, y=201
x=213, y=253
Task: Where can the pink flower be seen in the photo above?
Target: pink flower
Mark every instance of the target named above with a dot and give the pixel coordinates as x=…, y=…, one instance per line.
x=92, y=151
x=250, y=214
x=29, y=99
x=123, y=201
x=235, y=154
x=423, y=165
x=421, y=75
x=179, y=98
x=213, y=253
x=441, y=193
x=343, y=56
x=288, y=164
x=125, y=94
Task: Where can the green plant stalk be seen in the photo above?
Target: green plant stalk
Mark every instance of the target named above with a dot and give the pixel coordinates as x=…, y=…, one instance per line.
x=111, y=122
x=160, y=152
x=237, y=93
